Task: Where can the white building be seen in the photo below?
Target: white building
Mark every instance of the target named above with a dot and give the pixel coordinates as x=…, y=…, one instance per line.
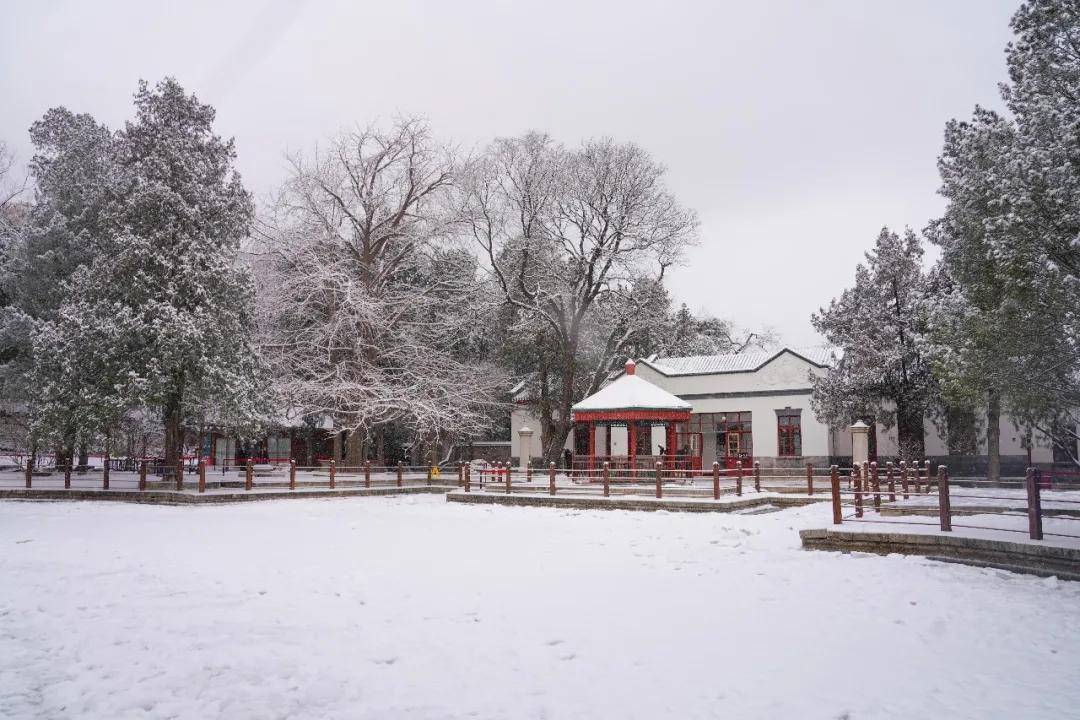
x=756, y=405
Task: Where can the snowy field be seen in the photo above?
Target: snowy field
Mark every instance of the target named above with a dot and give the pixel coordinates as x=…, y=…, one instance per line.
x=412, y=607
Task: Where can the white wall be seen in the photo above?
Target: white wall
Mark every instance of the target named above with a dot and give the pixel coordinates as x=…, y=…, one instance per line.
x=521, y=417
x=786, y=373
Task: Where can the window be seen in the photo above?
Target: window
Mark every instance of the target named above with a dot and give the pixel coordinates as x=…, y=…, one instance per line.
x=789, y=433
x=734, y=437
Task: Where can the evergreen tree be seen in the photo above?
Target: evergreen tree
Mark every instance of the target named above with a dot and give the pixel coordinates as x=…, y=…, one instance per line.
x=162, y=317
x=1009, y=235
x=879, y=325
x=72, y=168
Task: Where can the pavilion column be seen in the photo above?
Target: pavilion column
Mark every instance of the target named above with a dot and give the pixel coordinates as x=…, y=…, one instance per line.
x=631, y=445
x=592, y=445
x=672, y=440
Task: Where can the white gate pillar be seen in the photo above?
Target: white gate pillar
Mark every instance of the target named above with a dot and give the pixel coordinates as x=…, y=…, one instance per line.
x=525, y=447
x=860, y=443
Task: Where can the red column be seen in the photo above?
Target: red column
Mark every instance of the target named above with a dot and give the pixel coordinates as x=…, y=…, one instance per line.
x=592, y=444
x=672, y=439
x=631, y=446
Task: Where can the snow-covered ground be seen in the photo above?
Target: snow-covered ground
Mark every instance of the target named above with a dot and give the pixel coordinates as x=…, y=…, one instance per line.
x=414, y=607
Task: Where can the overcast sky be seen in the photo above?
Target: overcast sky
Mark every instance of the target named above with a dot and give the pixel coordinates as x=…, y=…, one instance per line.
x=795, y=128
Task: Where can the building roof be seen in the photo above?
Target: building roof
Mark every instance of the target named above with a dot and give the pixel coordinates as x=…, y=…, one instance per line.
x=736, y=362
x=631, y=392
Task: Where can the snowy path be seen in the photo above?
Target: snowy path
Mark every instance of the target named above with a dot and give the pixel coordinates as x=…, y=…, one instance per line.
x=413, y=607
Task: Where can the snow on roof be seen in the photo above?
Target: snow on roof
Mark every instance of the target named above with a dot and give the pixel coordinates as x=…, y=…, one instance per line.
x=631, y=392
x=736, y=362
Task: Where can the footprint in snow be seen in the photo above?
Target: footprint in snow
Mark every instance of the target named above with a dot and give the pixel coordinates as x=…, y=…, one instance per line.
x=554, y=642
x=385, y=661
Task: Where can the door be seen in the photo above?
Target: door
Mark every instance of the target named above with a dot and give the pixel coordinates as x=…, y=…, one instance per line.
x=733, y=450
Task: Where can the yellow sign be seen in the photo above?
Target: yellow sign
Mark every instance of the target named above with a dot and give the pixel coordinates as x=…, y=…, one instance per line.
x=435, y=472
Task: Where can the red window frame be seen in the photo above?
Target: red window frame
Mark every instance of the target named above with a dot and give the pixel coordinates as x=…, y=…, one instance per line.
x=788, y=433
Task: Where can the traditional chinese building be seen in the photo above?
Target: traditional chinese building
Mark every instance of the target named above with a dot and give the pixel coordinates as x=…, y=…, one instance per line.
x=752, y=406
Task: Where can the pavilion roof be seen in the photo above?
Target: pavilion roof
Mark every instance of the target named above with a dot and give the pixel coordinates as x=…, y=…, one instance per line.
x=631, y=392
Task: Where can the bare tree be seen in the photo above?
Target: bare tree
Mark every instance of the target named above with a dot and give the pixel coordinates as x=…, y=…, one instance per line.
x=368, y=308
x=577, y=241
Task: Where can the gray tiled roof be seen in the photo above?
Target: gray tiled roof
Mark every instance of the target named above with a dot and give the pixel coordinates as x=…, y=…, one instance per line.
x=736, y=362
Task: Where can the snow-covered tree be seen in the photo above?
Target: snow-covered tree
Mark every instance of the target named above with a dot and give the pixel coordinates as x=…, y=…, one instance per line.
x=370, y=311
x=577, y=241
x=1010, y=236
x=59, y=232
x=161, y=317
x=879, y=324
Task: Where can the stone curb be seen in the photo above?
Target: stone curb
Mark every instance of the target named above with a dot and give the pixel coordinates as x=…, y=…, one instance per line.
x=1031, y=558
x=172, y=497
x=609, y=503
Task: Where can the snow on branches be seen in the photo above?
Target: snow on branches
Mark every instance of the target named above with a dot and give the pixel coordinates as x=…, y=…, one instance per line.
x=369, y=309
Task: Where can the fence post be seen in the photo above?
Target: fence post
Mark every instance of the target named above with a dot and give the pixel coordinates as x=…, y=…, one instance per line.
x=468, y=473
x=927, y=489
x=551, y=478
x=429, y=469
x=528, y=471
x=607, y=479
x=292, y=474
x=809, y=478
x=716, y=481
x=856, y=475
x=29, y=470
x=757, y=476
x=333, y=473
x=659, y=479
x=249, y=474
x=460, y=474
x=400, y=473
x=67, y=473
x=1034, y=500
x=891, y=481
x=179, y=474
x=367, y=473
x=944, y=507
x=903, y=478
x=142, y=475
x=105, y=471
x=876, y=480
x=738, y=478
x=202, y=475
x=507, y=477
x=834, y=482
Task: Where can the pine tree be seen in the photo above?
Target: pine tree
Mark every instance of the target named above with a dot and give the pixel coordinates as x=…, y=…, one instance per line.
x=1010, y=235
x=163, y=316
x=879, y=325
x=72, y=168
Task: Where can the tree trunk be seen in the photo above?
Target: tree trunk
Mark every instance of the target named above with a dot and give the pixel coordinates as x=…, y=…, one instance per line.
x=354, y=449
x=174, y=437
x=993, y=436
x=84, y=457
x=380, y=446
x=910, y=434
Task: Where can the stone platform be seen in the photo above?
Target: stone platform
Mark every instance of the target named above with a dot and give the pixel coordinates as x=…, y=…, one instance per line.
x=1035, y=558
x=211, y=496
x=580, y=501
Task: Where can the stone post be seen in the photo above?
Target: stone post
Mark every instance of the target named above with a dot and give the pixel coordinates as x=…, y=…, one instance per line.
x=525, y=448
x=860, y=443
